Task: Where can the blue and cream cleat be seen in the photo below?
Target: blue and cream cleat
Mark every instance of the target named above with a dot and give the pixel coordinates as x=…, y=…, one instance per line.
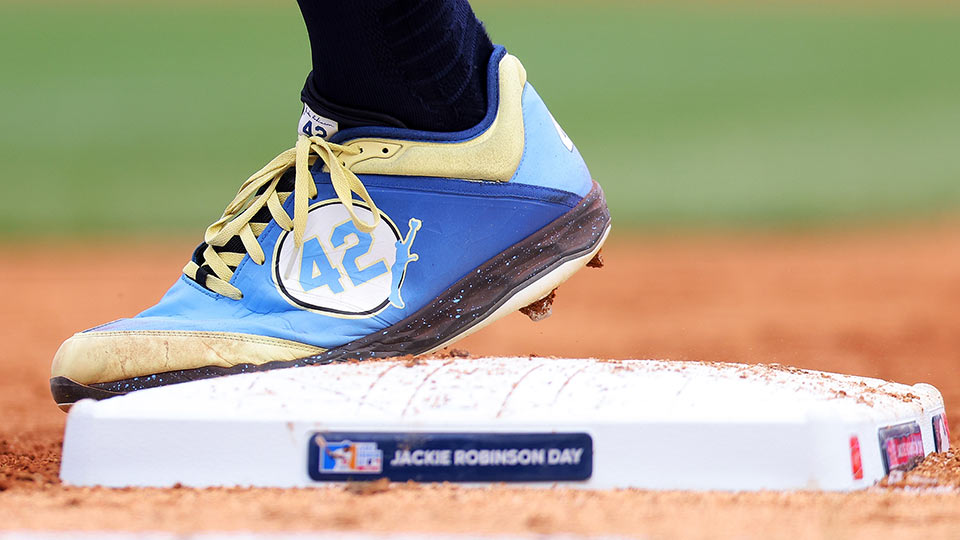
x=367, y=242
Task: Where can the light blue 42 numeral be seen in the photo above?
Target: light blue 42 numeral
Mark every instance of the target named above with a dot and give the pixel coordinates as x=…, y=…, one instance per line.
x=364, y=240
x=315, y=258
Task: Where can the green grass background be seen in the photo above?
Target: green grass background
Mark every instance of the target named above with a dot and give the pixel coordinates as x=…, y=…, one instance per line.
x=132, y=117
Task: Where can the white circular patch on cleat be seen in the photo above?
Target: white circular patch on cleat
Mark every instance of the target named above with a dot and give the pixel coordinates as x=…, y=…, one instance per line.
x=340, y=270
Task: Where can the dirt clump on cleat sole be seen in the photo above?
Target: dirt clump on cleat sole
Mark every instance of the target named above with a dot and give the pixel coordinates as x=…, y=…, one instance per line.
x=596, y=261
x=541, y=309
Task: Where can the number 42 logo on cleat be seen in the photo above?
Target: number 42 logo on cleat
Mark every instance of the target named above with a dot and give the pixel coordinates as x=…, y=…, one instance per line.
x=340, y=270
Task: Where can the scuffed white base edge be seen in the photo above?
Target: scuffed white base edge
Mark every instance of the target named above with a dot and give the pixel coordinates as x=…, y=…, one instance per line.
x=654, y=424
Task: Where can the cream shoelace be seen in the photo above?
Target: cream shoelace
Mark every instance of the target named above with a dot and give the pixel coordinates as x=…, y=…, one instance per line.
x=236, y=218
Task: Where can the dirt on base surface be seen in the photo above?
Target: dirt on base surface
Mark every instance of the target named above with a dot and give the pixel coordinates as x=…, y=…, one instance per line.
x=883, y=304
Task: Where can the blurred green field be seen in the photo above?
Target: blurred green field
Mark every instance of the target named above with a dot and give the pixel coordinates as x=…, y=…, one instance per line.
x=131, y=117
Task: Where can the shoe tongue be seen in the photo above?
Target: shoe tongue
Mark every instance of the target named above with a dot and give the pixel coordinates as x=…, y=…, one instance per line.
x=315, y=125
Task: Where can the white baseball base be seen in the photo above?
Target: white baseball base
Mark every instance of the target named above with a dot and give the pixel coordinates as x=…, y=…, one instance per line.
x=535, y=421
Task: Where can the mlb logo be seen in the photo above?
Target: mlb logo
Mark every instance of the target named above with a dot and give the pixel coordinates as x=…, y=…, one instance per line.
x=349, y=457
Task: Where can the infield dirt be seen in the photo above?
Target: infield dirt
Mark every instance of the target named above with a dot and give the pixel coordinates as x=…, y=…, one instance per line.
x=881, y=303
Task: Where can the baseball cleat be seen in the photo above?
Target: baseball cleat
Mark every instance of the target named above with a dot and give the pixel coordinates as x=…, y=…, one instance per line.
x=360, y=243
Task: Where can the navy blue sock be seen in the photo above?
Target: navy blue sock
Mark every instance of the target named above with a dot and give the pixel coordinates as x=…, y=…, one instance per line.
x=420, y=64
